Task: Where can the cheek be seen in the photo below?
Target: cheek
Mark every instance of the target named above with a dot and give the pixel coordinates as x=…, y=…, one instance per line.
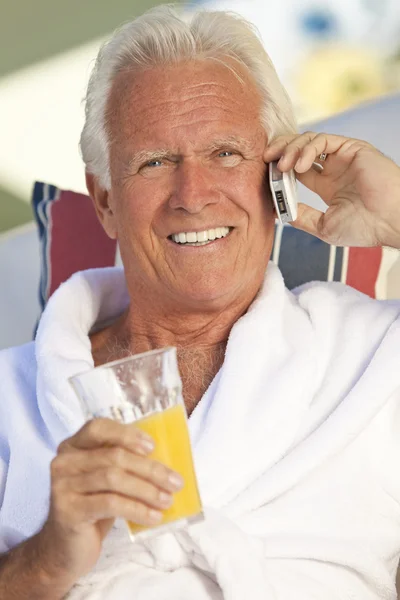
x=251, y=188
x=137, y=210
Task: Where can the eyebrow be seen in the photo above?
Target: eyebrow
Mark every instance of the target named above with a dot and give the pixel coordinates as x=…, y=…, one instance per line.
x=232, y=141
x=144, y=156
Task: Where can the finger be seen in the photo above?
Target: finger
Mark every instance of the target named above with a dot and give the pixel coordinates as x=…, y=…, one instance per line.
x=106, y=432
x=300, y=151
x=312, y=180
x=309, y=220
x=274, y=150
x=318, y=183
x=118, y=481
x=322, y=143
x=293, y=150
x=310, y=152
x=90, y=509
x=287, y=149
x=83, y=462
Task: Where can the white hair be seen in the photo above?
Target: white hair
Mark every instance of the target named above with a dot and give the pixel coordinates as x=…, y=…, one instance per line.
x=162, y=36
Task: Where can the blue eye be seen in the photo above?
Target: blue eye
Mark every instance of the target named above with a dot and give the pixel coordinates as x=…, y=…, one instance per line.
x=225, y=153
x=154, y=163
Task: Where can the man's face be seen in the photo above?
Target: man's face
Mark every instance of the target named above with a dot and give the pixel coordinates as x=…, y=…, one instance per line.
x=186, y=158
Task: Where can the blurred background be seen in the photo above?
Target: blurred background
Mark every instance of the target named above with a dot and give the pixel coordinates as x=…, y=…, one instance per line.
x=330, y=55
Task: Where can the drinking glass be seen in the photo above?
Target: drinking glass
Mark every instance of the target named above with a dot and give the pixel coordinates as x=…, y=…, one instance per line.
x=146, y=389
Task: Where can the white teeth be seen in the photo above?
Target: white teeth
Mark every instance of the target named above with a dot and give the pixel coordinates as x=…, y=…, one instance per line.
x=200, y=237
x=191, y=237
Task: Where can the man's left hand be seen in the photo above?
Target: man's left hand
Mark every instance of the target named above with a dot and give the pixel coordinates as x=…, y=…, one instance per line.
x=359, y=184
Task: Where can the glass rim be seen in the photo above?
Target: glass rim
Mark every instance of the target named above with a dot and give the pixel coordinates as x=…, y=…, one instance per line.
x=120, y=361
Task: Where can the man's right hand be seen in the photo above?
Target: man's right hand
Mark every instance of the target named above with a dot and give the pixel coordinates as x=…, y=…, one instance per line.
x=100, y=473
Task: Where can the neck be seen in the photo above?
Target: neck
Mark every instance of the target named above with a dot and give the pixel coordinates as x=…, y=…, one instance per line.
x=200, y=339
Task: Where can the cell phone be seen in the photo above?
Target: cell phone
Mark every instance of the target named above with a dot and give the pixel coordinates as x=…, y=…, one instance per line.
x=284, y=193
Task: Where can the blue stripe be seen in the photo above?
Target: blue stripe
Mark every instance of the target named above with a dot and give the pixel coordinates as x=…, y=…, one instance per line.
x=337, y=275
x=42, y=197
x=302, y=258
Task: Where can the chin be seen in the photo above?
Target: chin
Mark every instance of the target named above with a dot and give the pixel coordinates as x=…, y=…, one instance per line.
x=206, y=298
x=218, y=291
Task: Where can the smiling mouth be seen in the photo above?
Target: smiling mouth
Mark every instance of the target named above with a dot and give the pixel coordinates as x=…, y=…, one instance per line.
x=200, y=238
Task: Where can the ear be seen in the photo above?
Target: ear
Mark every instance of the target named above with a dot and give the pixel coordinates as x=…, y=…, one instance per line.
x=102, y=200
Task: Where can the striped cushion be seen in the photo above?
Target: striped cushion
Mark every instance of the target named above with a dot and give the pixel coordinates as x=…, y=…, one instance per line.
x=302, y=258
x=72, y=239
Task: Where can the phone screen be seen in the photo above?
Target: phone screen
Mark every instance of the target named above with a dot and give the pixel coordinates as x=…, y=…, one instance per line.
x=284, y=193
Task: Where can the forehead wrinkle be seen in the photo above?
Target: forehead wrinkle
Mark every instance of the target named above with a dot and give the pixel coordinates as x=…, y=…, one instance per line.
x=191, y=105
x=125, y=88
x=134, y=109
x=173, y=97
x=206, y=84
x=191, y=113
x=213, y=91
x=186, y=118
x=187, y=112
x=166, y=104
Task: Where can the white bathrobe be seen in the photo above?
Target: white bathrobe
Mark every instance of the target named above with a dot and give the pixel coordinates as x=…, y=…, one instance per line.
x=296, y=445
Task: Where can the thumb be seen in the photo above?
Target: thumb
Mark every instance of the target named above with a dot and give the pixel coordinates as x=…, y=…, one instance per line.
x=309, y=220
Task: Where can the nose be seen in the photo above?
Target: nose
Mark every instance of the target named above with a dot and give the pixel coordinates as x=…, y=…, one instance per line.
x=194, y=188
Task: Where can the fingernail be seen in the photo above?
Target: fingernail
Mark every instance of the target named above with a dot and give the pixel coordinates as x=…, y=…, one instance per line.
x=176, y=481
x=165, y=499
x=155, y=516
x=146, y=442
x=147, y=447
x=298, y=164
x=317, y=167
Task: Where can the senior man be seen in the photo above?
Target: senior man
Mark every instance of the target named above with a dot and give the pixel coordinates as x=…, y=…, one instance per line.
x=293, y=397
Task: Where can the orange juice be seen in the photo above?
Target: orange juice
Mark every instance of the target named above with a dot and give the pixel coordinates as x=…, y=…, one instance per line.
x=170, y=433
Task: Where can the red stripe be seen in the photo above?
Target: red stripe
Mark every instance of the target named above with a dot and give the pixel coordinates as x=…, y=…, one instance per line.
x=363, y=269
x=78, y=241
